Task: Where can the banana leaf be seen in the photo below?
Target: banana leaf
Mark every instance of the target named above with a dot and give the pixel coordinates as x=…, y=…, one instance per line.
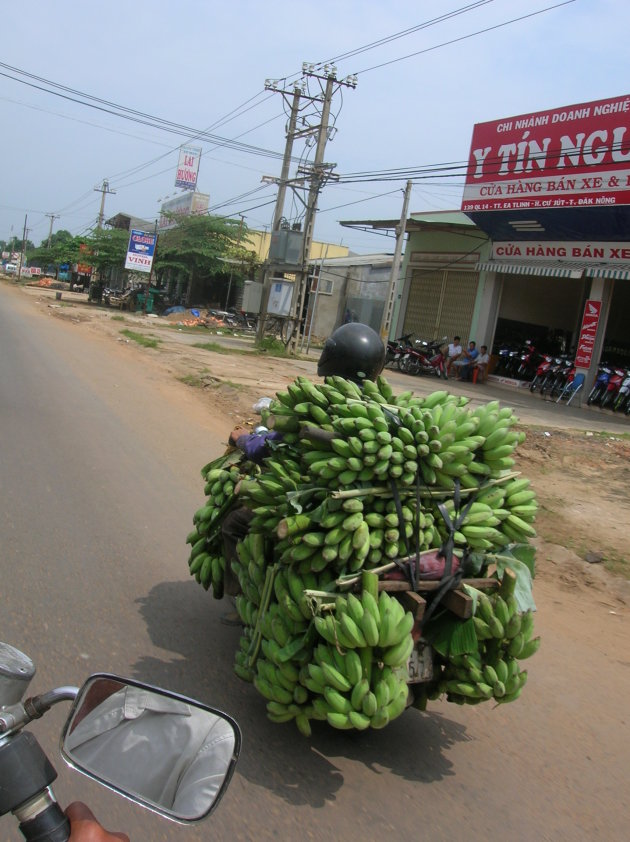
x=449, y=635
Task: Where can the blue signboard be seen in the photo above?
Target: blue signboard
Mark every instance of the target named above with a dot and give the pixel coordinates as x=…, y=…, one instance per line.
x=140, y=251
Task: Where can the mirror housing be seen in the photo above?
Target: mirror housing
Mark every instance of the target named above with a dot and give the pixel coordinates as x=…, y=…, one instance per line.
x=162, y=750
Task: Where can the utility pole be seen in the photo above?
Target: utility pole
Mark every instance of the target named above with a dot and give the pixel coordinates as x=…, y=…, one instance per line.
x=315, y=174
x=318, y=178
x=104, y=189
x=240, y=237
x=52, y=216
x=19, y=275
x=279, y=208
x=388, y=312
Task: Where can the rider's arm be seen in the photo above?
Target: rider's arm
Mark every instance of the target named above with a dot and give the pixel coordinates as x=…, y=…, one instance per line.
x=253, y=445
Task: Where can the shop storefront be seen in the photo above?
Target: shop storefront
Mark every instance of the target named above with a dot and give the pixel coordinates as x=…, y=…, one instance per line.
x=552, y=191
x=540, y=250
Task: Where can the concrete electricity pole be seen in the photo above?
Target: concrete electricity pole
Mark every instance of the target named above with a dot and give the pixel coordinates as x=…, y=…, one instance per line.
x=24, y=235
x=388, y=312
x=52, y=216
x=104, y=189
x=279, y=208
x=316, y=175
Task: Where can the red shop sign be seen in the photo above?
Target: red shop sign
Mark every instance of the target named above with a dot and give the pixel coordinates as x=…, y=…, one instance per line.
x=588, y=332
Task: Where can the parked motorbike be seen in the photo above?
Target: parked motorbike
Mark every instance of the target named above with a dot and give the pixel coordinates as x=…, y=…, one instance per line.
x=557, y=376
x=397, y=348
x=617, y=376
x=136, y=754
x=508, y=360
x=600, y=385
x=424, y=358
x=437, y=359
x=541, y=372
x=622, y=401
x=528, y=360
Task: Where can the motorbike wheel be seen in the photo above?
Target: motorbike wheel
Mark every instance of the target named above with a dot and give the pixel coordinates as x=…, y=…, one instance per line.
x=534, y=384
x=413, y=366
x=402, y=363
x=594, y=396
x=556, y=387
x=607, y=400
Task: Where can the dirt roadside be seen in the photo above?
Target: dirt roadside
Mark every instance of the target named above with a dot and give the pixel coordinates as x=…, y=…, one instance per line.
x=581, y=476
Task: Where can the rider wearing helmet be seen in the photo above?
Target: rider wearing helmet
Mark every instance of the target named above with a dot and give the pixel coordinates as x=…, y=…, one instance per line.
x=354, y=351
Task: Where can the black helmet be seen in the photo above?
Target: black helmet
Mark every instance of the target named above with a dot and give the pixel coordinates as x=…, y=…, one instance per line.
x=354, y=351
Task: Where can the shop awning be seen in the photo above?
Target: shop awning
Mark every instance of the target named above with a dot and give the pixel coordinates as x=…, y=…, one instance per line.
x=550, y=269
x=618, y=273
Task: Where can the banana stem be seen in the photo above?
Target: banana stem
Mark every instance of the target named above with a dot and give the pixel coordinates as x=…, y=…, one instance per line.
x=383, y=491
x=265, y=599
x=508, y=583
x=352, y=579
x=369, y=580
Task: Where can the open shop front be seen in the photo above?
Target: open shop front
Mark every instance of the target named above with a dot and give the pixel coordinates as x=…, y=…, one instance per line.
x=547, y=311
x=552, y=191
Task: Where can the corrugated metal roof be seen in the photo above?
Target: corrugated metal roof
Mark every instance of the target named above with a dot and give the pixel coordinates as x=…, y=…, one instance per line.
x=358, y=260
x=453, y=217
x=416, y=221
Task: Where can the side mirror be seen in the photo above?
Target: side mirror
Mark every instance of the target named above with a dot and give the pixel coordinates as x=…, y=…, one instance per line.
x=161, y=750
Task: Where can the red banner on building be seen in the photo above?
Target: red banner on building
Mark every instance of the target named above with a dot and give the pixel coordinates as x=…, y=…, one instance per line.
x=565, y=157
x=588, y=332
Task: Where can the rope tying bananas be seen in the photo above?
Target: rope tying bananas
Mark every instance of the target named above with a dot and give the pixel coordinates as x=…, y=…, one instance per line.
x=361, y=479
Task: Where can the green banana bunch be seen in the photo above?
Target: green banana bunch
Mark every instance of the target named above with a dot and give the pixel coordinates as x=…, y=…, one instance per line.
x=208, y=570
x=323, y=507
x=521, y=507
x=505, y=636
x=205, y=559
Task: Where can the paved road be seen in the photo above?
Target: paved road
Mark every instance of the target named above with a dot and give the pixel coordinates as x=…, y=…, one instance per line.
x=99, y=478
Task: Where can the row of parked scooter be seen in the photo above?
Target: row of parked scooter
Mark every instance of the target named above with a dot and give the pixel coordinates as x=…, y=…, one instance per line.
x=611, y=388
x=550, y=374
x=417, y=356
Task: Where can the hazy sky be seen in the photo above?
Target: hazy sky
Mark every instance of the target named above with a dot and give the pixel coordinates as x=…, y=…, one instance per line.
x=194, y=62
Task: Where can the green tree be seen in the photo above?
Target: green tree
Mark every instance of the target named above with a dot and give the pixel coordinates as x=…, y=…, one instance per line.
x=64, y=248
x=202, y=247
x=107, y=249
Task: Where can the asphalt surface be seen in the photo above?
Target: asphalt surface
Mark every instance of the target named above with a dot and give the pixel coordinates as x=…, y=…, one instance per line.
x=99, y=478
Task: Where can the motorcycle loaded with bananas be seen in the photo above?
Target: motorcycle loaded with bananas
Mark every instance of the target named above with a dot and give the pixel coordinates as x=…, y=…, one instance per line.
x=387, y=561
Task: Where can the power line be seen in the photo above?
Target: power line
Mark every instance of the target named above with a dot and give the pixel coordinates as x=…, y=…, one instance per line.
x=410, y=31
x=131, y=114
x=464, y=37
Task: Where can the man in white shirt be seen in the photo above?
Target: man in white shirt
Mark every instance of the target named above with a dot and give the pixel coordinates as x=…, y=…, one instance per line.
x=454, y=352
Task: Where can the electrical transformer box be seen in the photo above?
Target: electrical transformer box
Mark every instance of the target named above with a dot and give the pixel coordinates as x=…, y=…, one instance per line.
x=285, y=246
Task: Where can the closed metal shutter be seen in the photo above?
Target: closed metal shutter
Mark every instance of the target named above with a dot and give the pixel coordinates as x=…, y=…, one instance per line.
x=441, y=303
x=423, y=304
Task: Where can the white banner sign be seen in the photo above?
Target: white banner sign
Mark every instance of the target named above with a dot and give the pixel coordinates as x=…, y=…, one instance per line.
x=595, y=252
x=188, y=167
